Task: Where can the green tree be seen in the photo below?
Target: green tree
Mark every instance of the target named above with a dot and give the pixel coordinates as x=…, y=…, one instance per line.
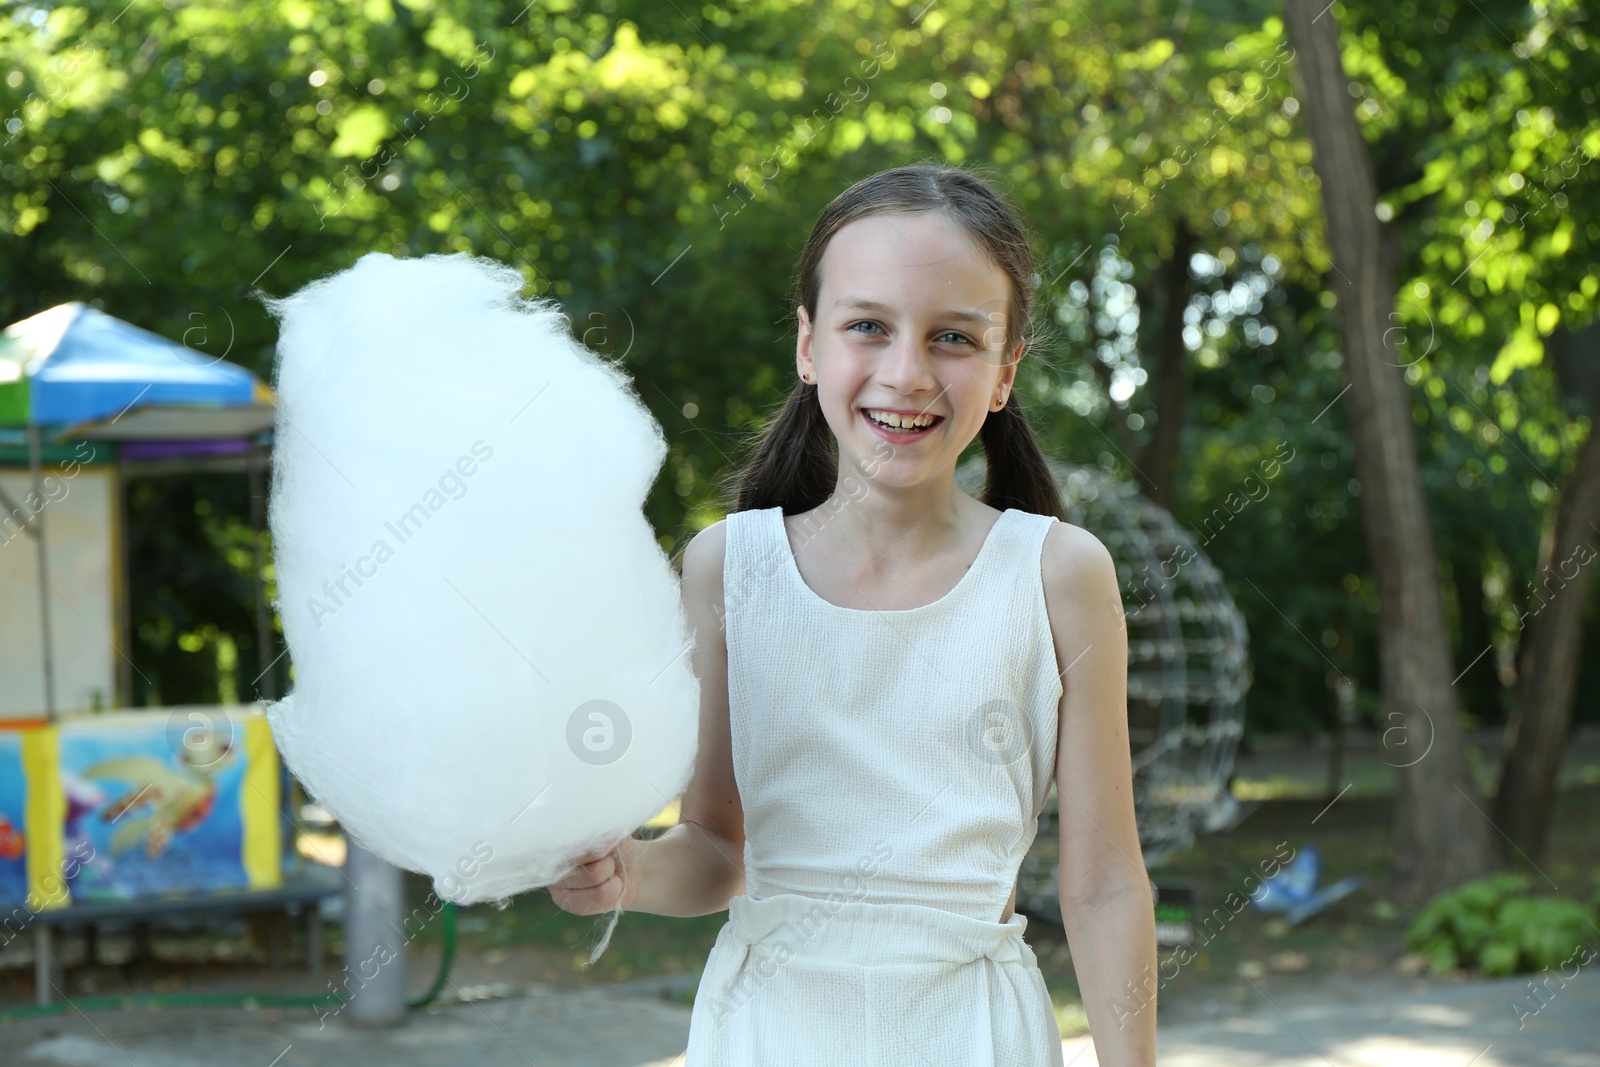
x=1486, y=115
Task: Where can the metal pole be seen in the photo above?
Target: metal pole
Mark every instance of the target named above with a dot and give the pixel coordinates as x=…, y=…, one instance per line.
x=264, y=659
x=374, y=950
x=37, y=520
x=124, y=588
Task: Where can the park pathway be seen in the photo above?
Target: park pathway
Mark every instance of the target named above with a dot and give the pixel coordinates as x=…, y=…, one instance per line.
x=1393, y=1022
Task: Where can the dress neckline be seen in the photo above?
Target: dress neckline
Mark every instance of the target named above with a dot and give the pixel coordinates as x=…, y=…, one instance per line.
x=984, y=551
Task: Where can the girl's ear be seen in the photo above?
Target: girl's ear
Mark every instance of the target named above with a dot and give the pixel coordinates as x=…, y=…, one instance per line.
x=802, y=348
x=1008, y=375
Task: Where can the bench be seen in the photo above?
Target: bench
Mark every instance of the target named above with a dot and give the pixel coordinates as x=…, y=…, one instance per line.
x=303, y=892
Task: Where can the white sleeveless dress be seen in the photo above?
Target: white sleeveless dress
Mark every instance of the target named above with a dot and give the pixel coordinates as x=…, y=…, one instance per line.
x=892, y=766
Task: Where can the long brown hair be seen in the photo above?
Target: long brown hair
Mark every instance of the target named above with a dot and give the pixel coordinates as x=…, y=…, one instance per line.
x=796, y=462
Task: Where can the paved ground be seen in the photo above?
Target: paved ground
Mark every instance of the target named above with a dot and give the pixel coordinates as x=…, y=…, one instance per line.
x=554, y=1029
x=1392, y=1022
x=1399, y=1022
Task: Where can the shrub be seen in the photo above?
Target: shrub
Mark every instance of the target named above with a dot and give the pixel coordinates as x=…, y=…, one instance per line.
x=1493, y=926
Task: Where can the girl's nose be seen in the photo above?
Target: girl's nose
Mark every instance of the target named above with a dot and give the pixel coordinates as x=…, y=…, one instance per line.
x=907, y=365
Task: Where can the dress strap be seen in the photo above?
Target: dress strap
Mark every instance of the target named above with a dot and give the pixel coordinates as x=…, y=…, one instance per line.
x=752, y=560
x=1015, y=547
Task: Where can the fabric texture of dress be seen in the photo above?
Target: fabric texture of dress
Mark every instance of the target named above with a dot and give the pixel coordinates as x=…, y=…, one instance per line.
x=892, y=767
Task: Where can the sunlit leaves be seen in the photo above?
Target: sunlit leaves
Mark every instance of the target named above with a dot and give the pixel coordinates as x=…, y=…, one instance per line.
x=361, y=131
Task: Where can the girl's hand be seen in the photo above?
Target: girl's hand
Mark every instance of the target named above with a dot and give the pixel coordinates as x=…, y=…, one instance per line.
x=600, y=881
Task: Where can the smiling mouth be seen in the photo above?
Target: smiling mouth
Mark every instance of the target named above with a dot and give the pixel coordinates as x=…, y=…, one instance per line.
x=904, y=424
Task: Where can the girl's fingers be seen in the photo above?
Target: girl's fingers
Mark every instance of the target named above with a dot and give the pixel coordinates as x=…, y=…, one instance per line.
x=593, y=857
x=586, y=889
x=591, y=873
x=586, y=900
x=597, y=871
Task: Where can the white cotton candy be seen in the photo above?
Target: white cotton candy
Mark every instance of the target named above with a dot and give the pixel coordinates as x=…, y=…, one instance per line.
x=491, y=666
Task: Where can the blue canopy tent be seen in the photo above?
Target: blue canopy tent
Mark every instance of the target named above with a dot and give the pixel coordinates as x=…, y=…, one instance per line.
x=74, y=373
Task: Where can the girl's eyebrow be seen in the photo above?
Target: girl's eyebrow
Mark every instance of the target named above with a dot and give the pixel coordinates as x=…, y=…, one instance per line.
x=863, y=304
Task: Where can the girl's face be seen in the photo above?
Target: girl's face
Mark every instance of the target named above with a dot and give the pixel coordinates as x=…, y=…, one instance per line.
x=910, y=328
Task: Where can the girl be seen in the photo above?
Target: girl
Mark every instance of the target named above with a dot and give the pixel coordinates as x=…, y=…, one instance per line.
x=891, y=673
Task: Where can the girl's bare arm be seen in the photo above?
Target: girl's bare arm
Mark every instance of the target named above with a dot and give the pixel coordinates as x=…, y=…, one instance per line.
x=697, y=865
x=1105, y=891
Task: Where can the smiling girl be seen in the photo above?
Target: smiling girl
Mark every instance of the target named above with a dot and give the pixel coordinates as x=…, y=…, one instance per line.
x=893, y=674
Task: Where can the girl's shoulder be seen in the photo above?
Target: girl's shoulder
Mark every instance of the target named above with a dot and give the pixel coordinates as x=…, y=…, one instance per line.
x=1088, y=626
x=1077, y=568
x=702, y=558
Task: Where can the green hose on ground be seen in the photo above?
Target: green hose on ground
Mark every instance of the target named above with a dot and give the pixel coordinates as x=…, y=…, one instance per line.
x=447, y=957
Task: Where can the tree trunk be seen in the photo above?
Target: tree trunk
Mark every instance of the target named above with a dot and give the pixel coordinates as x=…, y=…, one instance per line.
x=1160, y=460
x=1442, y=832
x=1536, y=737
x=1479, y=681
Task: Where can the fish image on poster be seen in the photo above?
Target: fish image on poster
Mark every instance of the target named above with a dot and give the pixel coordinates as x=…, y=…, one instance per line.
x=491, y=668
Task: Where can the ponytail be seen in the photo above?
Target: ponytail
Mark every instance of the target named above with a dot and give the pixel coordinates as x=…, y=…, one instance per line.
x=1016, y=474
x=796, y=463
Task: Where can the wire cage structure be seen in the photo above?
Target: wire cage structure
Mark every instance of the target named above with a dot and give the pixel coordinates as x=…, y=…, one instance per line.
x=1188, y=672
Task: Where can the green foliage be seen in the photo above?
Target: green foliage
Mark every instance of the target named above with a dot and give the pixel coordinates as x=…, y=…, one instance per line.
x=656, y=171
x=1493, y=926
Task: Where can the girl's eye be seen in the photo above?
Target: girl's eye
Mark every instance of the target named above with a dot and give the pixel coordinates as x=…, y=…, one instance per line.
x=960, y=338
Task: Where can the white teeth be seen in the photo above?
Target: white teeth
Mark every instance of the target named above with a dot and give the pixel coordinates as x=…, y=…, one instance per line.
x=894, y=420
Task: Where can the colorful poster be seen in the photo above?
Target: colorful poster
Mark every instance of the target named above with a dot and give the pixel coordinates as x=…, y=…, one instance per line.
x=154, y=801
x=13, y=821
